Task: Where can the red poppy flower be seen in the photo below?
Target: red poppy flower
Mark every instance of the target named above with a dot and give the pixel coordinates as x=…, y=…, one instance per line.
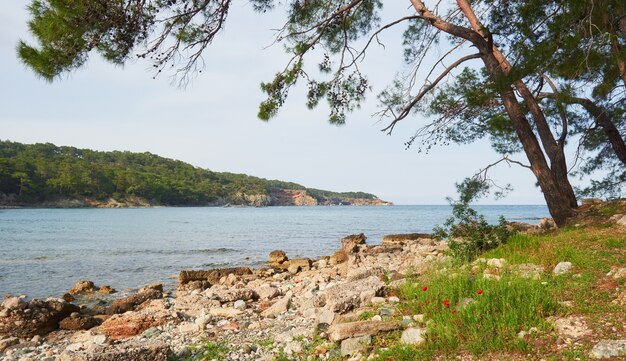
x=480, y=292
x=446, y=303
x=424, y=288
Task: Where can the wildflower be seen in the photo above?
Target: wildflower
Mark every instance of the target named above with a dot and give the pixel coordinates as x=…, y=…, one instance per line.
x=424, y=288
x=446, y=303
x=480, y=292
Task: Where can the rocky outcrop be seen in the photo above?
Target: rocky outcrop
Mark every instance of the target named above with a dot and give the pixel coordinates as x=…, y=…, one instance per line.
x=133, y=323
x=37, y=317
x=125, y=304
x=406, y=237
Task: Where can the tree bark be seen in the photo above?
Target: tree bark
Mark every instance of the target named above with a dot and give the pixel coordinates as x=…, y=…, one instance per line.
x=558, y=203
x=554, y=150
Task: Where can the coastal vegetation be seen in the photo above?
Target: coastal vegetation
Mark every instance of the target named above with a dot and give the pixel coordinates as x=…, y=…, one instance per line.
x=45, y=174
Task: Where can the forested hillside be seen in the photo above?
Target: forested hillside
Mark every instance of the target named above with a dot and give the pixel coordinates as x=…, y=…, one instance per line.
x=44, y=174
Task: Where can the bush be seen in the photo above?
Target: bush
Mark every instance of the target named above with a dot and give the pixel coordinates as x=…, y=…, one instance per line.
x=468, y=232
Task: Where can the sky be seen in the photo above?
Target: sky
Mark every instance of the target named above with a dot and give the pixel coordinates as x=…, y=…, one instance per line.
x=212, y=123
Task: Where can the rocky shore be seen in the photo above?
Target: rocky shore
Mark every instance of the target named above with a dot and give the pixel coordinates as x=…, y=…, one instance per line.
x=255, y=314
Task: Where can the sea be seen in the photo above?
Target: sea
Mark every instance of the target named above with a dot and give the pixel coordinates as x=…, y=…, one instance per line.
x=43, y=252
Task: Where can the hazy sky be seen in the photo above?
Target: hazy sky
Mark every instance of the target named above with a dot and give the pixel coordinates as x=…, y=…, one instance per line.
x=212, y=123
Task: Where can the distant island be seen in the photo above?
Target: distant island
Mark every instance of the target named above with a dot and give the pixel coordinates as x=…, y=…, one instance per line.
x=46, y=175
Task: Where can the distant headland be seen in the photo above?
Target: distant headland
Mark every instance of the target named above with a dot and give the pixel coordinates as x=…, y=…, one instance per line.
x=46, y=175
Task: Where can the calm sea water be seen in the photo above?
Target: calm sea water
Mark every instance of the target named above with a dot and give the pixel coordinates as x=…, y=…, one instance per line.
x=43, y=252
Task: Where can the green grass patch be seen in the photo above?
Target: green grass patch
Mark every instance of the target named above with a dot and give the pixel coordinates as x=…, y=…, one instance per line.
x=207, y=350
x=479, y=315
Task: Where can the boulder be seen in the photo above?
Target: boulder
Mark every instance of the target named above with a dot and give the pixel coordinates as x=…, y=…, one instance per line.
x=349, y=244
x=78, y=322
x=277, y=257
x=193, y=279
x=407, y=238
x=338, y=257
x=8, y=342
x=14, y=303
x=38, y=317
x=122, y=305
x=342, y=331
x=347, y=296
x=303, y=263
x=82, y=287
x=133, y=323
x=106, y=290
x=157, y=286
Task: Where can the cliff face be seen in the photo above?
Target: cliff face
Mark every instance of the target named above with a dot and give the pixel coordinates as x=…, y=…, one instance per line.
x=290, y=197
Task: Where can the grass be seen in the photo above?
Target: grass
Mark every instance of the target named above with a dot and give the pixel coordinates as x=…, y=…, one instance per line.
x=488, y=326
x=207, y=350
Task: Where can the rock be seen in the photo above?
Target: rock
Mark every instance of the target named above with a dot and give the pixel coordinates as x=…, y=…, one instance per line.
x=341, y=331
x=76, y=323
x=279, y=307
x=393, y=299
x=353, y=345
x=68, y=298
x=191, y=279
x=349, y=244
x=608, y=349
x=157, y=286
x=293, y=347
x=617, y=273
x=386, y=312
x=325, y=316
x=293, y=269
x=106, y=290
x=377, y=318
x=338, y=257
x=571, y=326
x=37, y=318
x=529, y=270
x=187, y=327
x=547, y=224
x=233, y=294
x=9, y=341
x=14, y=303
x=240, y=305
x=586, y=202
x=378, y=300
x=203, y=320
x=82, y=287
x=225, y=312
x=413, y=336
x=122, y=305
x=349, y=295
x=266, y=292
x=496, y=262
x=133, y=323
x=562, y=267
x=407, y=238
x=277, y=257
x=621, y=221
x=303, y=263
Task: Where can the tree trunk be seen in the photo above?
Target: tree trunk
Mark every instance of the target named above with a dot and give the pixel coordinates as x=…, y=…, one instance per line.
x=610, y=130
x=558, y=203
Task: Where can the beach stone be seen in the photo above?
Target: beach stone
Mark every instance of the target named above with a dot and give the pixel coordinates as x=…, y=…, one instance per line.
x=349, y=295
x=279, y=307
x=351, y=346
x=194, y=279
x=133, y=323
x=338, y=257
x=608, y=349
x=240, y=305
x=39, y=317
x=225, y=312
x=187, y=327
x=303, y=263
x=277, y=257
x=125, y=304
x=82, y=287
x=413, y=336
x=401, y=239
x=80, y=322
x=157, y=286
x=341, y=331
x=9, y=341
x=106, y=290
x=267, y=292
x=233, y=294
x=293, y=347
x=349, y=244
x=293, y=269
x=562, y=267
x=14, y=303
x=325, y=316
